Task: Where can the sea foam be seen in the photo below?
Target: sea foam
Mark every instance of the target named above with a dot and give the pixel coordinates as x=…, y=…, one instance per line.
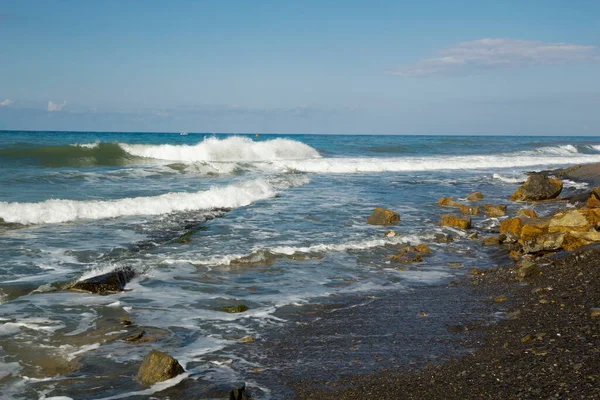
x=231, y=196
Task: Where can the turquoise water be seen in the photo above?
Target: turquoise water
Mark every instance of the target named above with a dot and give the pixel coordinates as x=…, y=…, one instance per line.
x=274, y=221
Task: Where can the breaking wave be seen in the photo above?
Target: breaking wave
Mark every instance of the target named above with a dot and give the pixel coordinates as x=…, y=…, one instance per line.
x=232, y=196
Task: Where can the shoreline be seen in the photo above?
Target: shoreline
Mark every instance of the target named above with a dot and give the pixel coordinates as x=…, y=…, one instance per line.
x=546, y=342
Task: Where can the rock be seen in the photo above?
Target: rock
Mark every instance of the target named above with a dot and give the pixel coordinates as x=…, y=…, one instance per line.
x=527, y=269
x=443, y=238
x=538, y=187
x=592, y=202
x=473, y=236
x=158, y=367
x=531, y=230
x=545, y=242
x=423, y=248
x=596, y=192
x=575, y=240
x=469, y=210
x=515, y=254
x=475, y=196
x=111, y=282
x=408, y=257
x=126, y=321
x=134, y=336
x=511, y=225
x=457, y=221
x=508, y=238
x=234, y=309
x=528, y=213
x=383, y=216
x=238, y=393
x=595, y=312
x=391, y=233
x=494, y=210
x=491, y=241
x=448, y=202
x=581, y=220
x=247, y=339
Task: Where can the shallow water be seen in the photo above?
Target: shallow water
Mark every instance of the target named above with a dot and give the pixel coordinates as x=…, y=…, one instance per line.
x=274, y=222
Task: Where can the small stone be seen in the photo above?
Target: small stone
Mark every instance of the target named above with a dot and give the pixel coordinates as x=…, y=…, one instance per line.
x=247, y=339
x=158, y=367
x=491, y=241
x=526, y=339
x=469, y=210
x=423, y=248
x=500, y=299
x=391, y=233
x=383, y=216
x=475, y=196
x=540, y=336
x=595, y=312
x=126, y=321
x=454, y=264
x=473, y=236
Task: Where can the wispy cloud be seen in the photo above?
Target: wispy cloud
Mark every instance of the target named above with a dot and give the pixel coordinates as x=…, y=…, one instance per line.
x=52, y=106
x=6, y=102
x=485, y=54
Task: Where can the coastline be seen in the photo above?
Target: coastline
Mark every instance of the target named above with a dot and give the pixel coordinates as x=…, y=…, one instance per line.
x=525, y=335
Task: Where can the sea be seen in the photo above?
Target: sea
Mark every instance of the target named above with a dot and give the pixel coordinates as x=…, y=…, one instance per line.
x=276, y=223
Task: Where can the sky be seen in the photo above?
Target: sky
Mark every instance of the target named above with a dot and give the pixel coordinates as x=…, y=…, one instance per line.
x=346, y=67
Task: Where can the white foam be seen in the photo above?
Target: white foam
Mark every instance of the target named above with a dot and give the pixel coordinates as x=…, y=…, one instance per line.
x=437, y=163
x=575, y=185
x=510, y=179
x=232, y=196
x=234, y=148
x=563, y=150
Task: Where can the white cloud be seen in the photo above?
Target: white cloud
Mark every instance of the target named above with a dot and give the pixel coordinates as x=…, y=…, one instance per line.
x=6, y=102
x=52, y=106
x=483, y=54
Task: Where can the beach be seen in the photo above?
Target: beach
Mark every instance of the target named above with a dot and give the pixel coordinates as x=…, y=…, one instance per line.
x=297, y=266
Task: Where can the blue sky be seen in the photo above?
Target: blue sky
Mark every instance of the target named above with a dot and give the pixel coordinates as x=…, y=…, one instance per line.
x=389, y=67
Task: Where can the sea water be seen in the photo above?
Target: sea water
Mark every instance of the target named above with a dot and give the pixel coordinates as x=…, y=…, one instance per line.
x=269, y=221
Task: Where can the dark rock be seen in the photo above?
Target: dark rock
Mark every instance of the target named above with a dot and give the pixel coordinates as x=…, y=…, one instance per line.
x=538, y=187
x=238, y=393
x=134, y=336
x=158, y=367
x=383, y=216
x=475, y=196
x=111, y=282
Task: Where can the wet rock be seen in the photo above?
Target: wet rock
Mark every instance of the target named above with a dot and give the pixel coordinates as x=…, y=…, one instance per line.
x=409, y=257
x=526, y=269
x=469, y=210
x=158, y=367
x=134, y=336
x=383, y=216
x=538, y=187
x=528, y=213
x=457, y=221
x=512, y=225
x=491, y=241
x=423, y=248
x=111, y=282
x=475, y=196
x=494, y=210
x=448, y=202
x=234, y=309
x=443, y=238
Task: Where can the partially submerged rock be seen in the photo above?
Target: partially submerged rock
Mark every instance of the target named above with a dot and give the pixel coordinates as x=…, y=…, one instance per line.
x=448, y=202
x=493, y=210
x=234, y=309
x=475, y=196
x=383, y=216
x=491, y=241
x=411, y=254
x=158, y=367
x=469, y=210
x=527, y=212
x=538, y=187
x=457, y=221
x=111, y=282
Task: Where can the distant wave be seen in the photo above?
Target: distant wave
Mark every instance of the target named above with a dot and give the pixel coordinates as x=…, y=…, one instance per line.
x=236, y=149
x=510, y=179
x=232, y=196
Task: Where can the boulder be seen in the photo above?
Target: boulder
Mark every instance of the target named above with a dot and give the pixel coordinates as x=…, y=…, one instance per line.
x=111, y=282
x=448, y=202
x=512, y=225
x=457, y=221
x=469, y=210
x=494, y=210
x=475, y=196
x=158, y=367
x=545, y=242
x=574, y=240
x=592, y=202
x=383, y=216
x=581, y=220
x=538, y=187
x=527, y=212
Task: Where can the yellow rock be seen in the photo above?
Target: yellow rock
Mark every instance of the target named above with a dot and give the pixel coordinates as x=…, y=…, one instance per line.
x=494, y=210
x=475, y=196
x=458, y=221
x=527, y=212
x=448, y=202
x=469, y=210
x=581, y=220
x=532, y=230
x=512, y=225
x=575, y=240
